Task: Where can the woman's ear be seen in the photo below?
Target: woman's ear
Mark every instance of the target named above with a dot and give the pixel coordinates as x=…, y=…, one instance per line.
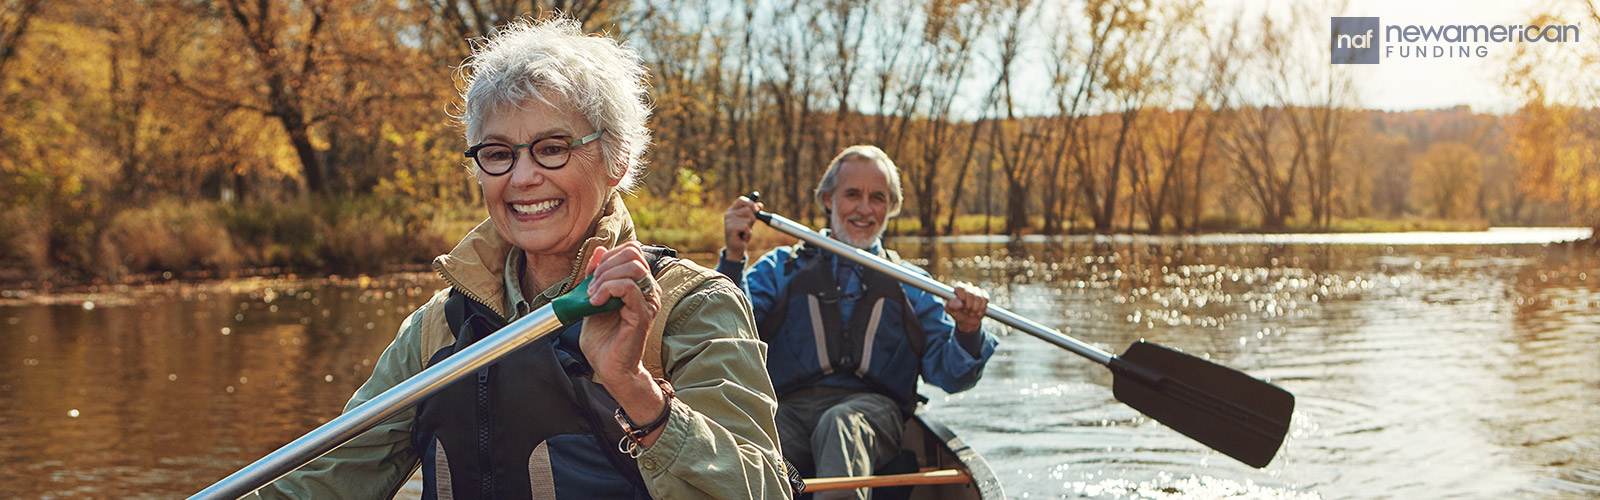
x=615, y=174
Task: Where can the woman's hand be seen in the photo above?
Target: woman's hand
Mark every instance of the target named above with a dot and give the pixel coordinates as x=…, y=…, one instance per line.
x=613, y=341
x=737, y=223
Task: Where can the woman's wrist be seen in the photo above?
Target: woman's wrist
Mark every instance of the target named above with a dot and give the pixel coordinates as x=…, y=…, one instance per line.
x=639, y=396
x=642, y=410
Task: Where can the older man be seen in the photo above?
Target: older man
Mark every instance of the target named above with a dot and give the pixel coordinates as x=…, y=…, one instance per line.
x=846, y=343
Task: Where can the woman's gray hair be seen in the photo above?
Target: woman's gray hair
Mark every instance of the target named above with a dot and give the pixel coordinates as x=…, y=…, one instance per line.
x=865, y=152
x=555, y=62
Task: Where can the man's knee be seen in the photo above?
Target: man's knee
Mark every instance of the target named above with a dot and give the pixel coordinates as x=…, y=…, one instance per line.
x=867, y=416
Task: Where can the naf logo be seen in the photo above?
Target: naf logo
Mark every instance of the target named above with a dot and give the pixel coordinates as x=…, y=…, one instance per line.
x=1356, y=40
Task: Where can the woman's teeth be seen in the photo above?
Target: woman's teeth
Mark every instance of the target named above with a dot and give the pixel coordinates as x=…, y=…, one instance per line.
x=535, y=208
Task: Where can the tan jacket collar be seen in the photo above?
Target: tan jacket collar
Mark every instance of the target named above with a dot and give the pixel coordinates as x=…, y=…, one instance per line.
x=477, y=265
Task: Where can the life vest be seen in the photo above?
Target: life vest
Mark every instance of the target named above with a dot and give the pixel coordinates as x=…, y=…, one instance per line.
x=881, y=343
x=496, y=435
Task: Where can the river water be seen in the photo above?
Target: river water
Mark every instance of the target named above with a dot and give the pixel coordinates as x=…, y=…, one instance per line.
x=1456, y=366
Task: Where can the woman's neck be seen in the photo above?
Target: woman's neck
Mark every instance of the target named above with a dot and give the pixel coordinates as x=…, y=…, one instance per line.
x=540, y=271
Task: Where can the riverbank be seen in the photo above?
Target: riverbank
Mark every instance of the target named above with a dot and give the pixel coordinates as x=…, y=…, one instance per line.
x=189, y=241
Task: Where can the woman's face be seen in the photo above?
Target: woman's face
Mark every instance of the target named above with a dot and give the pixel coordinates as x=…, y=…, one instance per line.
x=542, y=211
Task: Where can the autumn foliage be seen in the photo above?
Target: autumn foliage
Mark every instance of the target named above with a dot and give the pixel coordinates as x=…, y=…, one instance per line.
x=221, y=134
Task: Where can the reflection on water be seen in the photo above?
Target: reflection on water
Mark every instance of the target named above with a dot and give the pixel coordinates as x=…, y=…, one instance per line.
x=1493, y=236
x=157, y=392
x=1419, y=371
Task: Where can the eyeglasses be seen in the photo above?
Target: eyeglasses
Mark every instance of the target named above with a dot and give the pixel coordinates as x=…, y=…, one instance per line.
x=550, y=152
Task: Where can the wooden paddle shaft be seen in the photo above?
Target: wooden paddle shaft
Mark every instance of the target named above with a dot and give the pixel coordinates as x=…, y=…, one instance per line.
x=881, y=265
x=941, y=476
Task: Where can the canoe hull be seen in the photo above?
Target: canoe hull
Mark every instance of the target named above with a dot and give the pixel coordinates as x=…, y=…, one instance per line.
x=936, y=446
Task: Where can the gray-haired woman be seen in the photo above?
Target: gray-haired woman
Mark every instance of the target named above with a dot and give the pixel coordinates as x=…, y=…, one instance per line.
x=636, y=403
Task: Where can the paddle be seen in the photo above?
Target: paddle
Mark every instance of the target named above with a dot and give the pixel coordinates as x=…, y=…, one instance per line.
x=1218, y=406
x=940, y=476
x=564, y=310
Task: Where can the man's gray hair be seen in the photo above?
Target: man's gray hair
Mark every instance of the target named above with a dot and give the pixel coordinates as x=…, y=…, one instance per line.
x=864, y=152
x=555, y=62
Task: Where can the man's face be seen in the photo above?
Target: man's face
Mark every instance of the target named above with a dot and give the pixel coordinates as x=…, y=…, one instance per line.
x=860, y=203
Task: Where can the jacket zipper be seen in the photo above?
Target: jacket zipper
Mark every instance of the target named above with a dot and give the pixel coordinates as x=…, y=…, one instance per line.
x=466, y=291
x=486, y=485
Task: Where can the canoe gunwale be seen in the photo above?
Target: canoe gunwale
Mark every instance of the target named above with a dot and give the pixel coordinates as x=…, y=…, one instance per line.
x=985, y=482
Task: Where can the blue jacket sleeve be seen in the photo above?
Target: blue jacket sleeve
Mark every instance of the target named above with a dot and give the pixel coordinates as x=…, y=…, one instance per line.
x=734, y=270
x=762, y=282
x=945, y=363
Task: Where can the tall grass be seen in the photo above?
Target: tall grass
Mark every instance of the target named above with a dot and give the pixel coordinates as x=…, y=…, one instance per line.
x=373, y=233
x=25, y=246
x=339, y=234
x=364, y=234
x=168, y=235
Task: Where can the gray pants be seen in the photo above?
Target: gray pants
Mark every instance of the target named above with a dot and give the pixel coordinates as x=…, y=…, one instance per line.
x=842, y=432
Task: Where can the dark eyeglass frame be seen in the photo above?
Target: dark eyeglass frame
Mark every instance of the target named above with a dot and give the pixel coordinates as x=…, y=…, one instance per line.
x=566, y=140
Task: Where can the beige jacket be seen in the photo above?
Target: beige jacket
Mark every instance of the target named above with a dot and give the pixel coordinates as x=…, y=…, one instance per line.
x=721, y=442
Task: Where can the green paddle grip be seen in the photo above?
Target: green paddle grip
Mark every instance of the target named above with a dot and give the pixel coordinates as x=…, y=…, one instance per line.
x=575, y=305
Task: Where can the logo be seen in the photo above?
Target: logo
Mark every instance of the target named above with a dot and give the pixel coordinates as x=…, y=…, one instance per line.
x=1359, y=40
x=1356, y=40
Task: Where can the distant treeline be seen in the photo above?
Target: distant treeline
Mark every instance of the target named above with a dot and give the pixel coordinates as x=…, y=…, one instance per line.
x=278, y=131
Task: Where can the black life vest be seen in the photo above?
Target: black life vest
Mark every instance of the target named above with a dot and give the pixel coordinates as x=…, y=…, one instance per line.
x=496, y=435
x=812, y=294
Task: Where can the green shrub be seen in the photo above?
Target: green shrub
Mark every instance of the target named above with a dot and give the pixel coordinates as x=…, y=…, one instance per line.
x=285, y=234
x=365, y=234
x=686, y=224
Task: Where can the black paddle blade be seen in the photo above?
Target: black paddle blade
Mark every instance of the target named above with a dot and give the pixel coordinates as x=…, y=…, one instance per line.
x=1218, y=406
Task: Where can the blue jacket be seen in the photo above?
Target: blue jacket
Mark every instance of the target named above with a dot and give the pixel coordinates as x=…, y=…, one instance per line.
x=952, y=362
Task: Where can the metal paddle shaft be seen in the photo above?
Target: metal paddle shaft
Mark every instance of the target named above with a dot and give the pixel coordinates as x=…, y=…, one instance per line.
x=898, y=272
x=541, y=322
x=1220, y=407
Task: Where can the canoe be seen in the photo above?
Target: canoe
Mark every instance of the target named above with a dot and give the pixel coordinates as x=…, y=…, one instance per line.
x=944, y=468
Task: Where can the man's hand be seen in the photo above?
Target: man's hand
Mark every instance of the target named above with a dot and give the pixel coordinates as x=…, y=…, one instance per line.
x=968, y=308
x=737, y=224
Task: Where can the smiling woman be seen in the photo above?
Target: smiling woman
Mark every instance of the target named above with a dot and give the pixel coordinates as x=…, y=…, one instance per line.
x=627, y=406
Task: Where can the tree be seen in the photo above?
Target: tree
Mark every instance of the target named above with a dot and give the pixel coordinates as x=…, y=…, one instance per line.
x=1215, y=104
x=1166, y=149
x=793, y=88
x=1016, y=144
x=845, y=23
x=1555, y=131
x=14, y=21
x=1267, y=151
x=1448, y=179
x=1324, y=126
x=952, y=28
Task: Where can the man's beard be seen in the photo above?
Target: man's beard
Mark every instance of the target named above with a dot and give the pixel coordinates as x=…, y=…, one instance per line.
x=841, y=234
